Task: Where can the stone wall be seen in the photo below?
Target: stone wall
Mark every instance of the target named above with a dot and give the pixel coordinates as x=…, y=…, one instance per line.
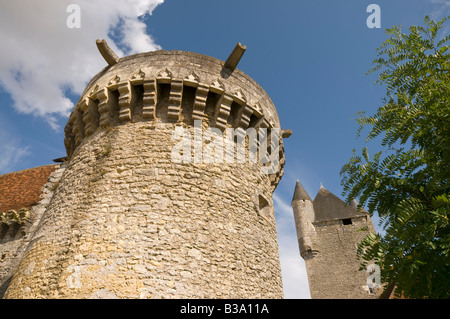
x=15, y=236
x=174, y=86
x=333, y=271
x=128, y=222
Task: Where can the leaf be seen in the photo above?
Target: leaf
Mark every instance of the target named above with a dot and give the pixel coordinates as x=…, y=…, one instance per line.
x=407, y=182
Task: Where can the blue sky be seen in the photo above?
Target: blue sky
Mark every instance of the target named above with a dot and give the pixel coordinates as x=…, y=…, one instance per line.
x=310, y=56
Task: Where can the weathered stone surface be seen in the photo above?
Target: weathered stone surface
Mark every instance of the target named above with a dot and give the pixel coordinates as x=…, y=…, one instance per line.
x=127, y=221
x=15, y=237
x=235, y=56
x=114, y=235
x=110, y=57
x=329, y=232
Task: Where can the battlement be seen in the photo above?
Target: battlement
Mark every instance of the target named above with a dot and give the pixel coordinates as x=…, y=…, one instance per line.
x=170, y=86
x=128, y=219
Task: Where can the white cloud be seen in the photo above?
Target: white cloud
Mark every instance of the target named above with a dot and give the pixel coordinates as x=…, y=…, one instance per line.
x=441, y=9
x=293, y=270
x=11, y=152
x=42, y=59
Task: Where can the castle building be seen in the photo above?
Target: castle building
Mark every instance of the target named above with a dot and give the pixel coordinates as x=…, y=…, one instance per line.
x=132, y=214
x=329, y=232
x=149, y=203
x=23, y=196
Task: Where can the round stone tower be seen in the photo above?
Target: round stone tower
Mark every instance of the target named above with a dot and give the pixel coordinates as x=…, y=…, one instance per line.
x=141, y=210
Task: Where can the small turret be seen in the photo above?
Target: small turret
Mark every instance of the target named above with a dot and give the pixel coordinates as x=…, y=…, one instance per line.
x=300, y=193
x=329, y=231
x=302, y=206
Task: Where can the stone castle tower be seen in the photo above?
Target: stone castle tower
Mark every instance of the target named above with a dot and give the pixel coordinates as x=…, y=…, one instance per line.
x=329, y=232
x=126, y=220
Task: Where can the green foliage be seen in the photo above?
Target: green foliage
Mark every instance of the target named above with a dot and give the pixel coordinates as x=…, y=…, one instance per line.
x=407, y=183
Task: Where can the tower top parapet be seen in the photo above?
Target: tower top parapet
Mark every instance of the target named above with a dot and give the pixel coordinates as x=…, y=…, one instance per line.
x=171, y=86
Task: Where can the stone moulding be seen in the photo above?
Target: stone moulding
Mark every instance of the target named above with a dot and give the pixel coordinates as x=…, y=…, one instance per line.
x=176, y=92
x=192, y=79
x=124, y=101
x=131, y=218
x=149, y=99
x=13, y=216
x=138, y=77
x=198, y=112
x=97, y=109
x=135, y=97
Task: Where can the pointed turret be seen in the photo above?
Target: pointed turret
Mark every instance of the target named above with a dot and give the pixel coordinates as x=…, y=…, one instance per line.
x=329, y=232
x=300, y=193
x=303, y=209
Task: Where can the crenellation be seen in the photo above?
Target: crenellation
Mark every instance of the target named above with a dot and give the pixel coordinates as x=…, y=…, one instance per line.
x=69, y=139
x=103, y=107
x=217, y=87
x=118, y=100
x=124, y=89
x=149, y=99
x=239, y=97
x=89, y=109
x=222, y=112
x=113, y=83
x=244, y=116
x=175, y=98
x=201, y=96
x=128, y=221
x=78, y=126
x=192, y=80
x=165, y=76
x=138, y=78
x=162, y=97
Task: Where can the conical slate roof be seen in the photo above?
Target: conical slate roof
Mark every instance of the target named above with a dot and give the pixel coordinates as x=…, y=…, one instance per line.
x=300, y=193
x=328, y=206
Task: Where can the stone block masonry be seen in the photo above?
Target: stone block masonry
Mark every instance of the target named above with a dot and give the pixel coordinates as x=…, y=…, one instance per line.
x=329, y=232
x=15, y=236
x=126, y=221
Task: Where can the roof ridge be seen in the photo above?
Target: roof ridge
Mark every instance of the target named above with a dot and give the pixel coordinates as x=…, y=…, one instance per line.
x=30, y=168
x=328, y=206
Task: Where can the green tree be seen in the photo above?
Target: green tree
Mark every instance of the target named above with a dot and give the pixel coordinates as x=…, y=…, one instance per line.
x=407, y=182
